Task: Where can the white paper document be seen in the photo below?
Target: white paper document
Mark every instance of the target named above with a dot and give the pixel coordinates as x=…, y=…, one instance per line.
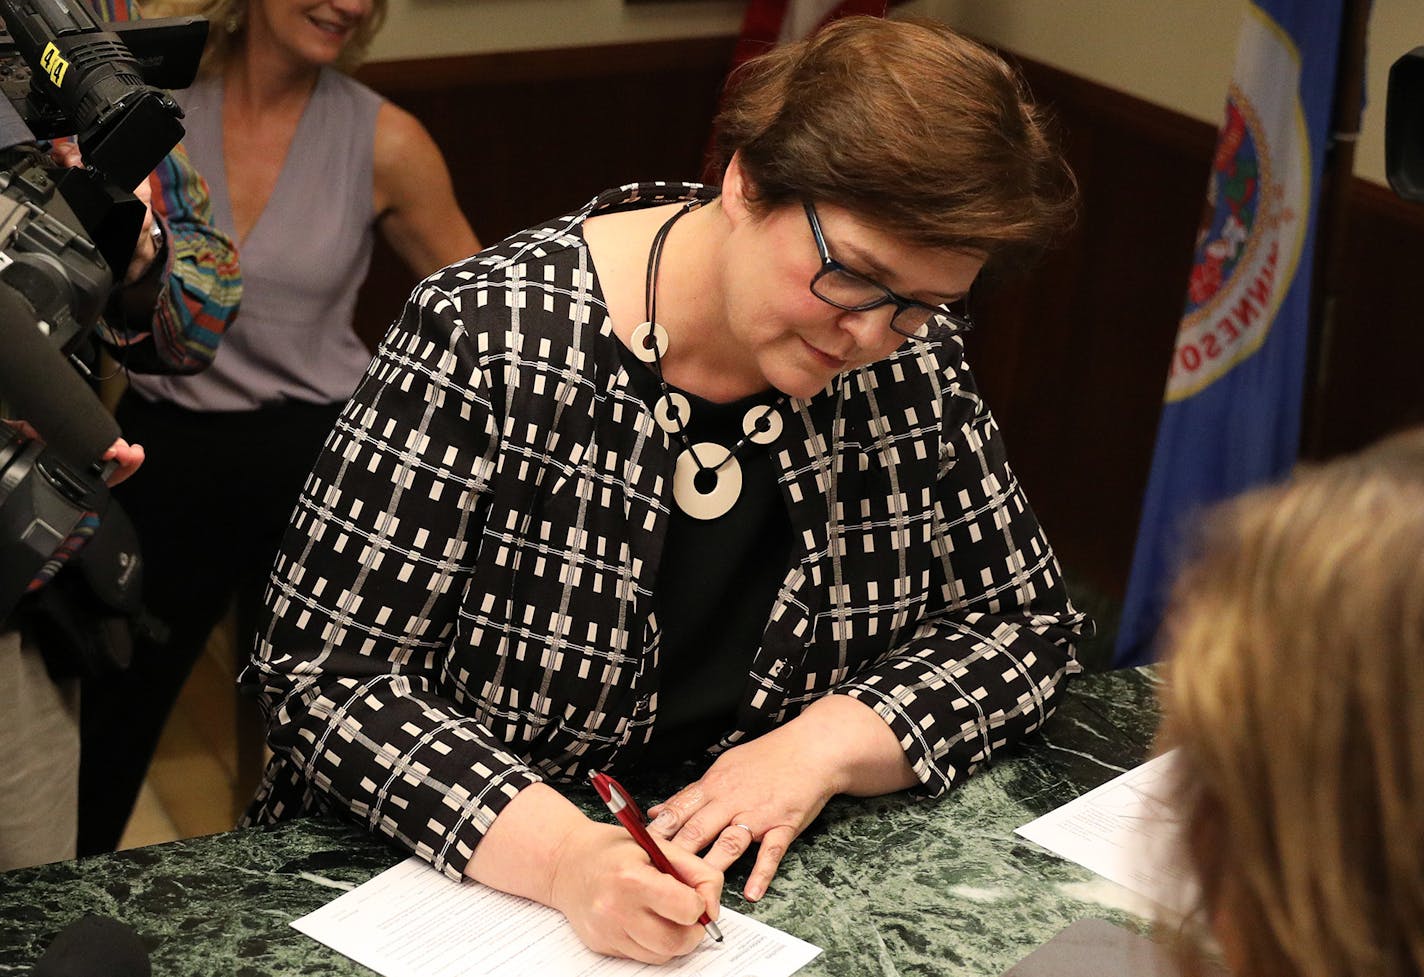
x=1125, y=830
x=411, y=921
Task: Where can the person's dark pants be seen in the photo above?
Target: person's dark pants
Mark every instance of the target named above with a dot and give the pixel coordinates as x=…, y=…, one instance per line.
x=211, y=503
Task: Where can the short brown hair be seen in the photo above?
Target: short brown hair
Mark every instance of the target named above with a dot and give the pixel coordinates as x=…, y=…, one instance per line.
x=227, y=24
x=909, y=125
x=1296, y=699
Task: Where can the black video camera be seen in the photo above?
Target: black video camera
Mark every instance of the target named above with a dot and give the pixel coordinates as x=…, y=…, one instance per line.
x=65, y=235
x=1404, y=126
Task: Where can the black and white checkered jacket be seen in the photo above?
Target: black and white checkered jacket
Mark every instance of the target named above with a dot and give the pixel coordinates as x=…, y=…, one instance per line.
x=461, y=607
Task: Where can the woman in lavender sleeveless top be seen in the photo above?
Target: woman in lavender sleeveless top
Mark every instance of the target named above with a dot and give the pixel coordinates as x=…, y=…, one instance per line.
x=305, y=166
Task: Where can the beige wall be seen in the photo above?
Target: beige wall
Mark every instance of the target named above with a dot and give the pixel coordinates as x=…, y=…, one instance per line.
x=431, y=28
x=1173, y=53
x=1396, y=27
x=1169, y=52
x=1177, y=54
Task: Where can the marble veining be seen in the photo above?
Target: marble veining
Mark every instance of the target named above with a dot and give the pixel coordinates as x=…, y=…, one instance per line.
x=887, y=886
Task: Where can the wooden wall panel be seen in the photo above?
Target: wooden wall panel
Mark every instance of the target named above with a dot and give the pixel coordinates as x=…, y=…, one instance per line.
x=532, y=135
x=1072, y=357
x=1372, y=377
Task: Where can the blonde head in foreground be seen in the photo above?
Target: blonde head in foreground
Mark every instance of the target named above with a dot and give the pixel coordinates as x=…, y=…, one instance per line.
x=1295, y=694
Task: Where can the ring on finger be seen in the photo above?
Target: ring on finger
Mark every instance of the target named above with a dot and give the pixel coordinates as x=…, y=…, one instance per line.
x=738, y=824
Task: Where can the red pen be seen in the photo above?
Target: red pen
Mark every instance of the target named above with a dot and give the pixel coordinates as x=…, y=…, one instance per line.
x=625, y=809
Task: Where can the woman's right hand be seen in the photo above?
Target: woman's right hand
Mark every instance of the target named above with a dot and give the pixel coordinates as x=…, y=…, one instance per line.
x=65, y=152
x=621, y=905
x=542, y=847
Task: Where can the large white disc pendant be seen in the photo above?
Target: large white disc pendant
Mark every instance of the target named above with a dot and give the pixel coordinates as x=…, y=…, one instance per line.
x=762, y=424
x=672, y=412
x=720, y=469
x=650, y=342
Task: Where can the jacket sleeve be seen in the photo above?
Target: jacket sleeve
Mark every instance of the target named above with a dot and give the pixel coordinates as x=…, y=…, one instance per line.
x=364, y=601
x=171, y=320
x=987, y=668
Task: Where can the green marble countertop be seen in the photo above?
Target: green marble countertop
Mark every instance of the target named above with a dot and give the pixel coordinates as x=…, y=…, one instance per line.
x=890, y=885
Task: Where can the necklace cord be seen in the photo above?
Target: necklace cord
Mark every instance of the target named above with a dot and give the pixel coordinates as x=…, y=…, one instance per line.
x=650, y=309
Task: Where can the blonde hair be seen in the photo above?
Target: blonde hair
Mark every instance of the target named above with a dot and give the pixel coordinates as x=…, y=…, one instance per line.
x=227, y=28
x=915, y=128
x=1295, y=695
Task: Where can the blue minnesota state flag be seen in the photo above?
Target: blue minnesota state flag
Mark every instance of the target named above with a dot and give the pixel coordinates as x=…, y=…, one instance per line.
x=1231, y=417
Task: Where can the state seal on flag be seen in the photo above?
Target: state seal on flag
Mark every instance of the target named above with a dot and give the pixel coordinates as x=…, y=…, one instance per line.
x=1253, y=227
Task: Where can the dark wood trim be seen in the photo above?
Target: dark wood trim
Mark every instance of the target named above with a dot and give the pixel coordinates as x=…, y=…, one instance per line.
x=1368, y=384
x=1381, y=202
x=549, y=65
x=1160, y=124
x=1142, y=119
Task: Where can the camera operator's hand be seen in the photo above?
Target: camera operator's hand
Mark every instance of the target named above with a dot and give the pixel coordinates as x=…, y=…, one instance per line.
x=66, y=153
x=129, y=457
x=22, y=428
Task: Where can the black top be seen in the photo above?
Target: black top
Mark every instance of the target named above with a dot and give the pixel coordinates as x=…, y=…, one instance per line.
x=716, y=583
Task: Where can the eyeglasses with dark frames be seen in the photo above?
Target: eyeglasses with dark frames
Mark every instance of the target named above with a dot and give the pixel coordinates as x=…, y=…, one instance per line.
x=837, y=285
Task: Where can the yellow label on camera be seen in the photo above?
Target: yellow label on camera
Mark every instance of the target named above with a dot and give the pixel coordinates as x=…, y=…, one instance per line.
x=52, y=62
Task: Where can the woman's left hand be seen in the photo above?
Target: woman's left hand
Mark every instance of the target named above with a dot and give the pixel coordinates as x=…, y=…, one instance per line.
x=766, y=791
x=66, y=153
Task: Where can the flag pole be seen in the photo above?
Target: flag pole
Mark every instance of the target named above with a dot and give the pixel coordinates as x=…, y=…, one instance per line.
x=1335, y=195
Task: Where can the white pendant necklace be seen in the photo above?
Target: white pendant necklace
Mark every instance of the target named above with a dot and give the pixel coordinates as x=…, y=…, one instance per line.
x=707, y=480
